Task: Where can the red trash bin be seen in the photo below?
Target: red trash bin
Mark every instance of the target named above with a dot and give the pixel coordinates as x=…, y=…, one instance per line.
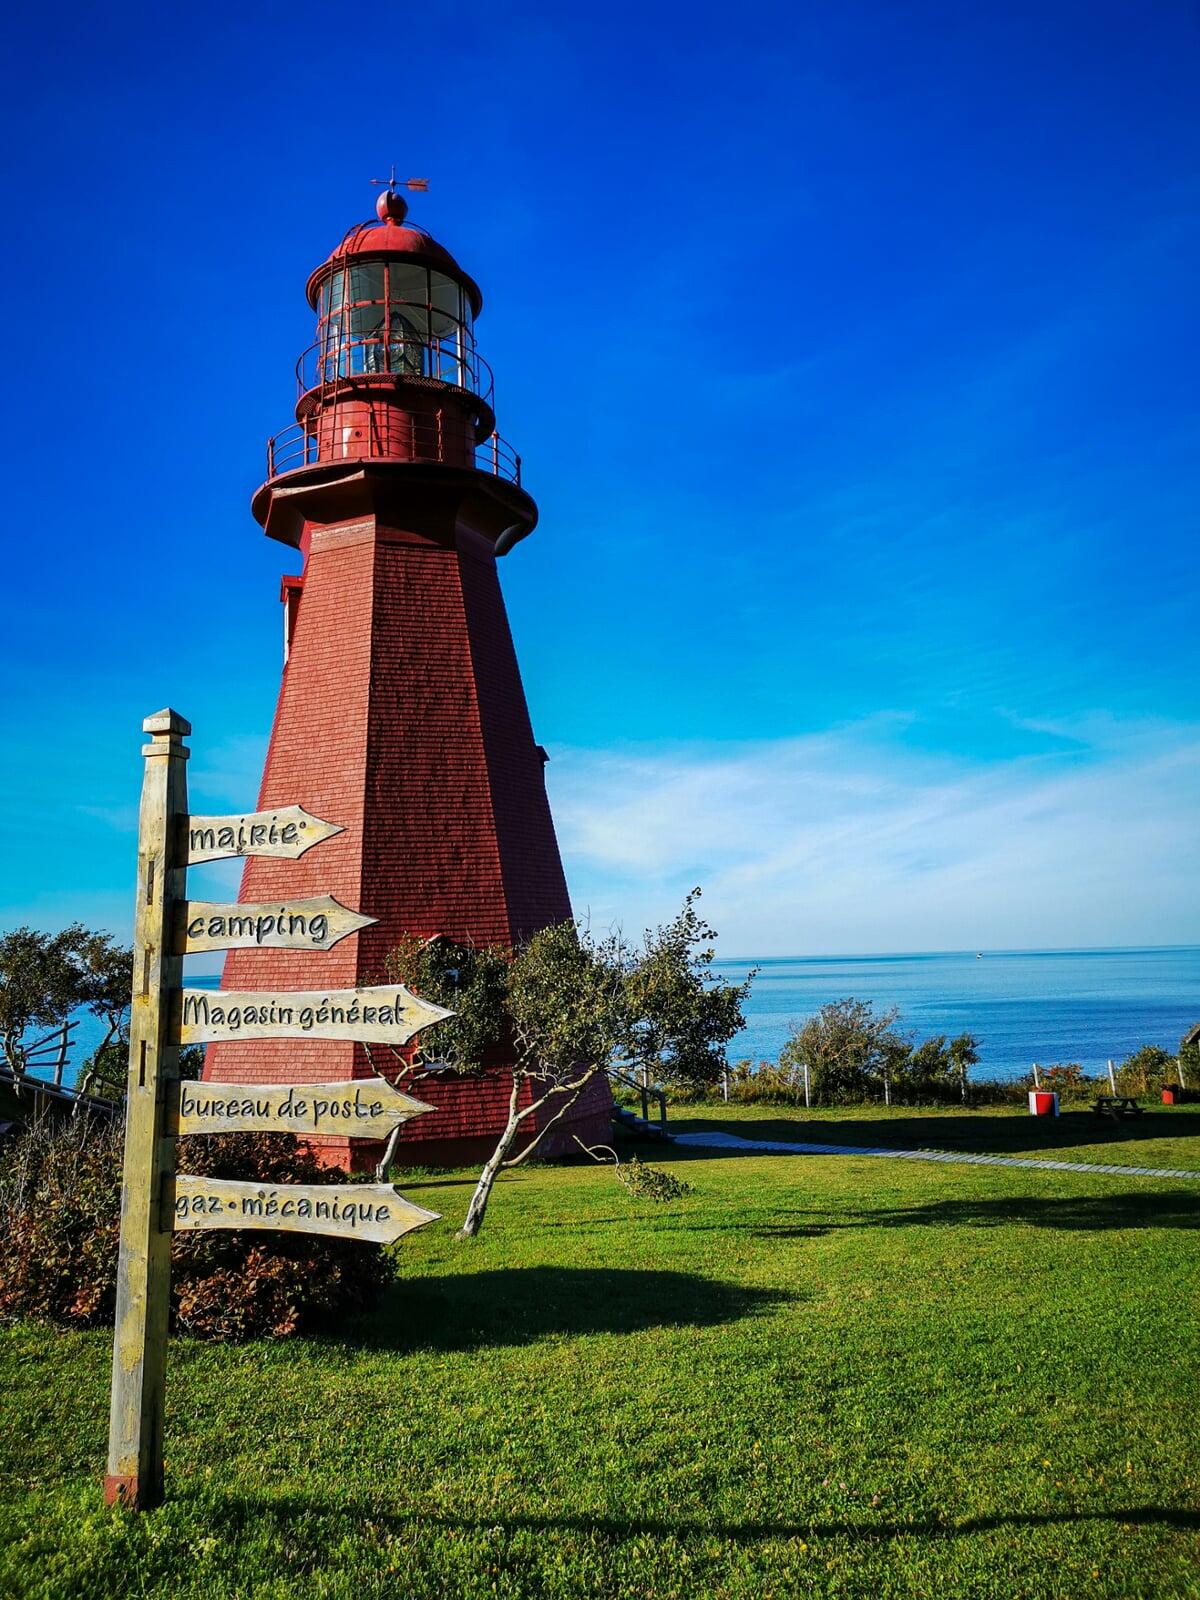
x=1043, y=1103
x=1168, y=1096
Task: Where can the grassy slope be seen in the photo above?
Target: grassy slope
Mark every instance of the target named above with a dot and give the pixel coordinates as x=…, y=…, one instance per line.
x=815, y=1375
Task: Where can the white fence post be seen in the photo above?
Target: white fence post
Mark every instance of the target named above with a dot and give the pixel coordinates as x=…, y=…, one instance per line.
x=1112, y=1077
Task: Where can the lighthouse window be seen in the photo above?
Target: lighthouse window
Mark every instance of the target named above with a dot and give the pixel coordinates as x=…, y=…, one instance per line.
x=408, y=286
x=366, y=281
x=446, y=305
x=331, y=294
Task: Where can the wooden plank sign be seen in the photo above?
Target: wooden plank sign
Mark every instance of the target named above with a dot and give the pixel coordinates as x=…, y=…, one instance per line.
x=386, y=1014
x=316, y=924
x=287, y=832
x=155, y=1201
x=360, y=1108
x=376, y=1212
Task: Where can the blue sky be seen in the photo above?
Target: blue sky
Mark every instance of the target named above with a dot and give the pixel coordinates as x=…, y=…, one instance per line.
x=851, y=350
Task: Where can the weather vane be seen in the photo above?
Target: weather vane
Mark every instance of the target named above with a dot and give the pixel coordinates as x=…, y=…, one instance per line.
x=415, y=185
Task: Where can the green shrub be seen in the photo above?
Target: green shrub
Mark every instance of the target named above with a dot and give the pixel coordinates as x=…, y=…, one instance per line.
x=1146, y=1071
x=60, y=1196
x=770, y=1083
x=1069, y=1081
x=643, y=1182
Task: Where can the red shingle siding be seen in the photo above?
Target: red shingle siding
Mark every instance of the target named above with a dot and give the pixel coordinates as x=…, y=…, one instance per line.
x=401, y=716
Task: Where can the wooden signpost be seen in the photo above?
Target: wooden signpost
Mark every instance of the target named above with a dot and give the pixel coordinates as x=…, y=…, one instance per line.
x=155, y=1200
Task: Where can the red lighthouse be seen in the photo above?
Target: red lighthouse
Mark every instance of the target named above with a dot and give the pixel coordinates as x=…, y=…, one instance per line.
x=401, y=713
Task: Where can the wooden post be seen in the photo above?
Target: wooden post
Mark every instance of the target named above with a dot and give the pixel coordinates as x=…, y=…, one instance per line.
x=887, y=1087
x=60, y=1062
x=1112, y=1077
x=135, y=1463
x=725, y=1082
x=1037, y=1082
x=807, y=1090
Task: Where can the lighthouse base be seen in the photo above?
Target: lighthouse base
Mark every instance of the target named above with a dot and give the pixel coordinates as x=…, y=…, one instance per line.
x=470, y=1113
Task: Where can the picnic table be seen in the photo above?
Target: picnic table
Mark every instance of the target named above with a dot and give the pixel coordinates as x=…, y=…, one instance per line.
x=1117, y=1106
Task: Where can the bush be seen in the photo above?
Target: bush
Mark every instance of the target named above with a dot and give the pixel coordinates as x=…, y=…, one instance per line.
x=1068, y=1080
x=60, y=1198
x=770, y=1083
x=643, y=1182
x=1146, y=1071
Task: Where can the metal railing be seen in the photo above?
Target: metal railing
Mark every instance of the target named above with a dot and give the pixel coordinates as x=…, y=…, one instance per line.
x=319, y=439
x=451, y=360
x=645, y=1089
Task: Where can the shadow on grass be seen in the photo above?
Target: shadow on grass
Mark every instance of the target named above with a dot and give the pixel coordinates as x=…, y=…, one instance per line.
x=243, y=1509
x=1078, y=1214
x=514, y=1305
x=969, y=1132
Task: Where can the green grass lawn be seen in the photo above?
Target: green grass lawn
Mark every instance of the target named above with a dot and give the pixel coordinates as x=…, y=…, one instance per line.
x=814, y=1375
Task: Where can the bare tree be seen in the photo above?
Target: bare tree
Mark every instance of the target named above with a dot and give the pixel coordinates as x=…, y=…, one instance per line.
x=566, y=1002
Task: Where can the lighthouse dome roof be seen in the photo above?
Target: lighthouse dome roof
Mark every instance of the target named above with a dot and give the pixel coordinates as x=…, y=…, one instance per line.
x=395, y=238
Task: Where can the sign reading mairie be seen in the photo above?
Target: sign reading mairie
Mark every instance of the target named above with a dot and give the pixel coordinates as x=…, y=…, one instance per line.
x=385, y=1014
x=287, y=832
x=358, y=1108
x=315, y=924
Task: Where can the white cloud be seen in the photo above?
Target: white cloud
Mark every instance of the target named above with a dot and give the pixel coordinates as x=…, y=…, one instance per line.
x=848, y=842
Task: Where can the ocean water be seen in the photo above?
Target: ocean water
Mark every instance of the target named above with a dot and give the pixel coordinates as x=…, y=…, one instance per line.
x=1022, y=1005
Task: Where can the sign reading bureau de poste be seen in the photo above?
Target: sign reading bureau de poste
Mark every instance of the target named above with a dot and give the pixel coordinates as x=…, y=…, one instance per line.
x=386, y=1014
x=316, y=924
x=372, y=1211
x=287, y=832
x=360, y=1108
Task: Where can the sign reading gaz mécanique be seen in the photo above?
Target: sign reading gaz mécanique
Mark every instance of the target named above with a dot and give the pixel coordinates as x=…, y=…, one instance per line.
x=316, y=924
x=359, y=1108
x=287, y=832
x=386, y=1014
x=373, y=1211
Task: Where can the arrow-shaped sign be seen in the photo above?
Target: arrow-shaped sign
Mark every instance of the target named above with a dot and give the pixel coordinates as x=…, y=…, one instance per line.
x=287, y=832
x=315, y=924
x=386, y=1014
x=360, y=1108
x=372, y=1211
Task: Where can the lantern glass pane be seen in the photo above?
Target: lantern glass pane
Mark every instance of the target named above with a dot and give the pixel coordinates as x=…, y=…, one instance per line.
x=447, y=305
x=366, y=281
x=407, y=284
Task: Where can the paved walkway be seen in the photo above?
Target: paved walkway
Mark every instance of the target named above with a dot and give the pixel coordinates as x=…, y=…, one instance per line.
x=732, y=1141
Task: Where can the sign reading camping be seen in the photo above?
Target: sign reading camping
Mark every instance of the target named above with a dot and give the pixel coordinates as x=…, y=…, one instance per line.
x=360, y=1108
x=156, y=1200
x=316, y=924
x=386, y=1014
